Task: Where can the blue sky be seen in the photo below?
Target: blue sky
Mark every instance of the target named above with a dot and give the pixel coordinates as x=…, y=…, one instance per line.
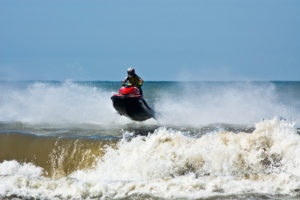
x=163, y=39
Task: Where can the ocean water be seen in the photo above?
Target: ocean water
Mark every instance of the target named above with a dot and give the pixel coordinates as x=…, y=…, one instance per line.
x=210, y=140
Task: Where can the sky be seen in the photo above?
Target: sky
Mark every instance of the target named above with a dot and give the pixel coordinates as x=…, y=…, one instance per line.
x=165, y=40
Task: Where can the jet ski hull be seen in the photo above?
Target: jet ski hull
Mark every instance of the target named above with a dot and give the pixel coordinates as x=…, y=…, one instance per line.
x=134, y=108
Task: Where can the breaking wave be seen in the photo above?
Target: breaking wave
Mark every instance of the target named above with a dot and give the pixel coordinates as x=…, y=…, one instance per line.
x=171, y=164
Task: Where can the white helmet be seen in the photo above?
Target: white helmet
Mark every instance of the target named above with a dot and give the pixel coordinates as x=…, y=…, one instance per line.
x=130, y=71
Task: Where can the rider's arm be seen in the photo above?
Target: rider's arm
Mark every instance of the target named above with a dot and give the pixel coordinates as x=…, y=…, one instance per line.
x=141, y=81
x=126, y=79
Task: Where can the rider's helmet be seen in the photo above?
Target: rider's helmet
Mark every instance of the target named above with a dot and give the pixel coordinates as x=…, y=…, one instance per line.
x=130, y=71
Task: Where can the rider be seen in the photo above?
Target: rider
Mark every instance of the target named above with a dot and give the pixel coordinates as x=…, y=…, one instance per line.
x=133, y=79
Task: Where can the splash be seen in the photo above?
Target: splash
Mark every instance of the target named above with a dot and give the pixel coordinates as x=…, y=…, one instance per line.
x=58, y=104
x=231, y=103
x=72, y=104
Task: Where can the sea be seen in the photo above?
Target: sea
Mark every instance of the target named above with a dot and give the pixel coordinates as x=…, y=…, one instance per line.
x=209, y=140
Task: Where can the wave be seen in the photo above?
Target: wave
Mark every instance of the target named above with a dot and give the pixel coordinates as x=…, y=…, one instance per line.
x=171, y=164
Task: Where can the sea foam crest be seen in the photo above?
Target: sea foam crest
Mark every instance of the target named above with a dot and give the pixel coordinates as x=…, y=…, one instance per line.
x=9, y=168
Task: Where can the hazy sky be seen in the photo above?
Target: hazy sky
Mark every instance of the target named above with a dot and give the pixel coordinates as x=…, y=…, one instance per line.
x=162, y=39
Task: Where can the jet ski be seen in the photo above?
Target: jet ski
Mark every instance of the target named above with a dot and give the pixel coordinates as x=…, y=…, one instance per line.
x=130, y=103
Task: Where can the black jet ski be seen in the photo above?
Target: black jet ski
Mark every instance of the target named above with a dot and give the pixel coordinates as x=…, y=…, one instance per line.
x=130, y=103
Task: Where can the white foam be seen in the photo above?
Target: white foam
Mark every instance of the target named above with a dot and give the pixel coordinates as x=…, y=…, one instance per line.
x=169, y=164
x=8, y=168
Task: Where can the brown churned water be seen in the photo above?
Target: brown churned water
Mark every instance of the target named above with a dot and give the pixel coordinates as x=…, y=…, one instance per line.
x=58, y=156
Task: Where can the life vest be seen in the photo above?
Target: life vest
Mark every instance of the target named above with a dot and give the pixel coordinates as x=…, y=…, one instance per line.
x=135, y=81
